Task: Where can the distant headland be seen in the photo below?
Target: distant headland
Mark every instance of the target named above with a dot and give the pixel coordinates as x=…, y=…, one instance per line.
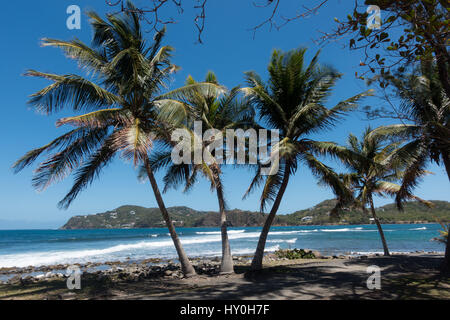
x=130, y=217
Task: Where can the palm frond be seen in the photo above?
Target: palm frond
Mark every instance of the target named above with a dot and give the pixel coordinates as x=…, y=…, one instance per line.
x=99, y=118
x=272, y=186
x=133, y=141
x=330, y=178
x=62, y=163
x=88, y=58
x=412, y=176
x=70, y=90
x=188, y=92
x=60, y=142
x=398, y=131
x=86, y=174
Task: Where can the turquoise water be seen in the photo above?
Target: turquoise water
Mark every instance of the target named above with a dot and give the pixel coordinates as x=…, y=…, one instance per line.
x=21, y=248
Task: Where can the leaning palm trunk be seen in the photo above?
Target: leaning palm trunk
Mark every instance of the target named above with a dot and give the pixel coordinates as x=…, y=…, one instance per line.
x=380, y=230
x=226, y=266
x=259, y=254
x=446, y=264
x=446, y=158
x=186, y=266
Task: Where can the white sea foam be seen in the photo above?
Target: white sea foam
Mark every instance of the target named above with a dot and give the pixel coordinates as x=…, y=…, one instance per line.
x=292, y=232
x=422, y=228
x=218, y=232
x=282, y=240
x=358, y=229
x=103, y=255
x=115, y=252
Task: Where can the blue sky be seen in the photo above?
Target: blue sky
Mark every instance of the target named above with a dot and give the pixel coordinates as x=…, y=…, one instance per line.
x=229, y=49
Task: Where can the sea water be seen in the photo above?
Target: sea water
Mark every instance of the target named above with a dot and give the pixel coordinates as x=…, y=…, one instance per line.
x=22, y=248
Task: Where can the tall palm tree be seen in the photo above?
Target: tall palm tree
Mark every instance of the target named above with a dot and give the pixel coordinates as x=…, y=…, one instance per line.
x=215, y=110
x=426, y=107
x=293, y=102
x=373, y=172
x=121, y=101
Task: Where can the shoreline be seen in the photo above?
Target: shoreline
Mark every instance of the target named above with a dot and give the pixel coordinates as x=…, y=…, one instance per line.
x=89, y=263
x=404, y=276
x=174, y=260
x=10, y=275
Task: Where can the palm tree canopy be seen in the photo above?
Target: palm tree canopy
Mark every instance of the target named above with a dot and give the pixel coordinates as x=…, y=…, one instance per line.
x=293, y=101
x=121, y=97
x=426, y=136
x=218, y=109
x=376, y=170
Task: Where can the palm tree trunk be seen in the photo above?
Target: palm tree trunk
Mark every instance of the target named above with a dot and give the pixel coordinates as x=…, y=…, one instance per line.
x=446, y=264
x=259, y=254
x=186, y=266
x=446, y=160
x=380, y=230
x=226, y=266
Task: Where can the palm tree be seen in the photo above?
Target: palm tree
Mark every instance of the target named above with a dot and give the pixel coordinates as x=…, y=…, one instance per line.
x=121, y=103
x=373, y=172
x=213, y=110
x=426, y=109
x=293, y=102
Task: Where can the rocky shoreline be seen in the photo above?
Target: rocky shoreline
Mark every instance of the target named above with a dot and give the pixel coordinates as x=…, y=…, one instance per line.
x=150, y=268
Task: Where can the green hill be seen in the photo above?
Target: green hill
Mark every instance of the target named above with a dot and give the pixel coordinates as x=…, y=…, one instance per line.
x=127, y=217
x=414, y=212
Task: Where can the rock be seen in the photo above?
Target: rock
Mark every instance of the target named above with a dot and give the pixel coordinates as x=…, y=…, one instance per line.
x=101, y=277
x=168, y=273
x=39, y=277
x=142, y=275
x=25, y=280
x=363, y=257
x=68, y=295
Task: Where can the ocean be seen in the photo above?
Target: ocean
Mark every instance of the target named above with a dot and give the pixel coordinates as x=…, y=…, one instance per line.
x=22, y=248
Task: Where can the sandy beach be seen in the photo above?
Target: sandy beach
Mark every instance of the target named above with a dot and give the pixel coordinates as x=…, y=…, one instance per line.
x=403, y=276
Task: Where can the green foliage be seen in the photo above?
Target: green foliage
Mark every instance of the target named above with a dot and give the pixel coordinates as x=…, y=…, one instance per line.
x=294, y=254
x=444, y=233
x=426, y=137
x=218, y=109
x=122, y=95
x=414, y=212
x=293, y=101
x=411, y=30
